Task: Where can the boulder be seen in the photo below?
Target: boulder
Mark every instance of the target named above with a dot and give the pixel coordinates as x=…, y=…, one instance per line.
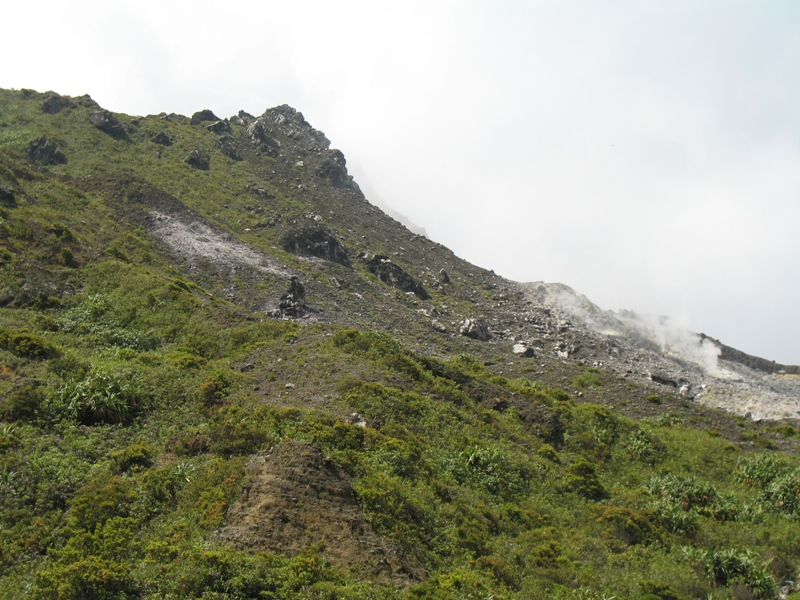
x=55, y=103
x=203, y=115
x=199, y=159
x=219, y=127
x=475, y=329
x=437, y=326
x=161, y=138
x=318, y=241
x=394, y=275
x=522, y=349
x=242, y=119
x=46, y=152
x=87, y=102
x=7, y=197
x=106, y=122
x=293, y=302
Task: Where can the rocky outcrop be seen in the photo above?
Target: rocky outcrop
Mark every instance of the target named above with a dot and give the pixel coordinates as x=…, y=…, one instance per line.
x=475, y=329
x=332, y=167
x=219, y=127
x=293, y=302
x=297, y=497
x=753, y=362
x=316, y=241
x=394, y=275
x=46, y=152
x=199, y=159
x=202, y=116
x=55, y=103
x=106, y=122
x=260, y=137
x=287, y=121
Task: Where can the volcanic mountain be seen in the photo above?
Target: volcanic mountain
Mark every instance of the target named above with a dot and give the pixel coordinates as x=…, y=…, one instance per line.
x=218, y=353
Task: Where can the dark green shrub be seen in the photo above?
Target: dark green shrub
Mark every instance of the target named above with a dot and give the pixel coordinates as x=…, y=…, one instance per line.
x=137, y=456
x=216, y=387
x=24, y=403
x=28, y=345
x=582, y=479
x=91, y=577
x=99, y=501
x=626, y=524
x=653, y=590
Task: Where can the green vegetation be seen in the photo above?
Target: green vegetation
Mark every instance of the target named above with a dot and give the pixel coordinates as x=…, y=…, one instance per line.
x=132, y=398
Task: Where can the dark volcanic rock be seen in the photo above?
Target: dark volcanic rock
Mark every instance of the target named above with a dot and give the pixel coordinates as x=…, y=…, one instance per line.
x=55, y=103
x=7, y=197
x=161, y=138
x=243, y=118
x=219, y=127
x=46, y=152
x=475, y=329
x=287, y=121
x=227, y=145
x=203, y=115
x=393, y=275
x=293, y=302
x=259, y=135
x=333, y=167
x=106, y=122
x=87, y=102
x=199, y=159
x=316, y=241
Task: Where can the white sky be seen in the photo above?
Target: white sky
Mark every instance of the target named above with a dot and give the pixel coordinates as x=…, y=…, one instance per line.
x=645, y=153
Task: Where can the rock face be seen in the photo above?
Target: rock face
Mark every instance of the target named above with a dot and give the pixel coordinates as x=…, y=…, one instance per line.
x=316, y=241
x=297, y=497
x=46, y=152
x=333, y=168
x=475, y=329
x=394, y=275
x=106, y=122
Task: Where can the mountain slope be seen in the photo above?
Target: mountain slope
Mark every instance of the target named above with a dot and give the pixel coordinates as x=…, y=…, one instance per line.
x=218, y=357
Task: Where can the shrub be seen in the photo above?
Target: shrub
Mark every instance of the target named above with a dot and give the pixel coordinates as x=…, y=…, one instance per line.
x=28, y=345
x=760, y=470
x=587, y=379
x=102, y=396
x=582, y=479
x=24, y=404
x=783, y=494
x=135, y=456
